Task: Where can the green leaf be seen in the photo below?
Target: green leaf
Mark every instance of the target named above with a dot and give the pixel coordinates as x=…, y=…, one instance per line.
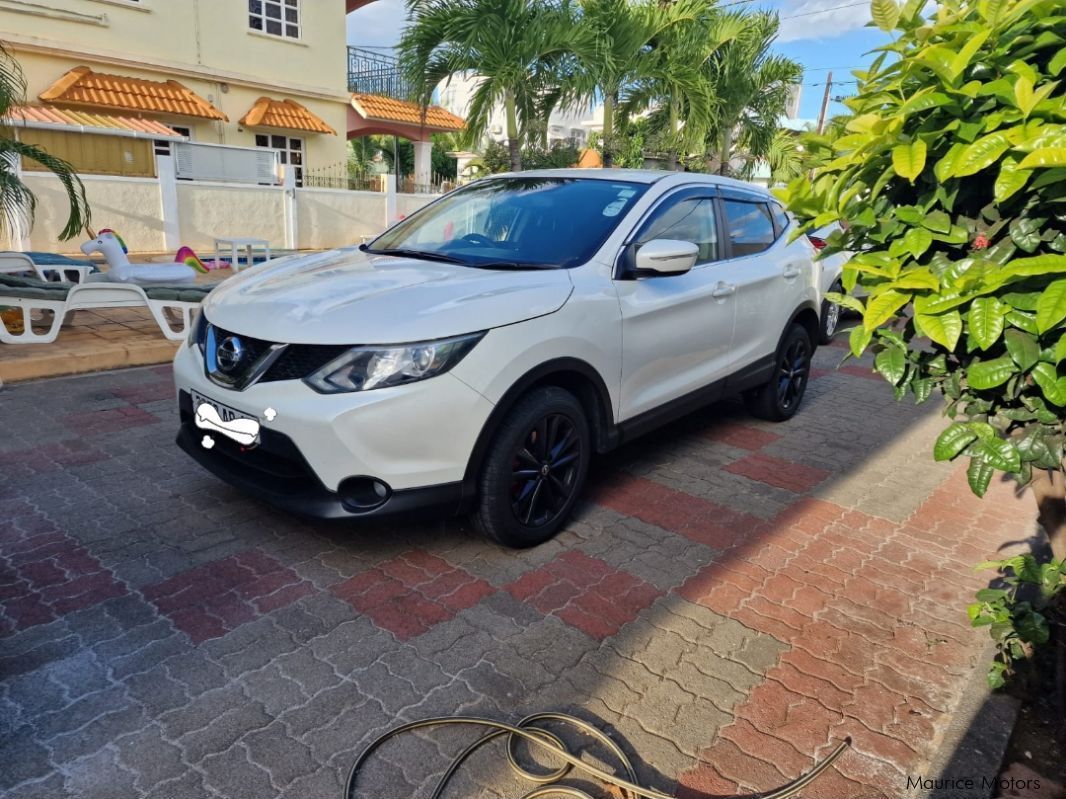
x=917, y=240
x=1051, y=385
x=859, y=340
x=966, y=54
x=937, y=221
x=990, y=594
x=1025, y=232
x=956, y=437
x=917, y=278
x=845, y=301
x=947, y=164
x=883, y=307
x=1044, y=157
x=981, y=154
x=1060, y=349
x=909, y=159
x=1057, y=63
x=891, y=363
x=1051, y=307
x=944, y=328
x=986, y=321
x=1023, y=348
x=989, y=374
x=1010, y=179
x=885, y=14
x=998, y=453
x=979, y=475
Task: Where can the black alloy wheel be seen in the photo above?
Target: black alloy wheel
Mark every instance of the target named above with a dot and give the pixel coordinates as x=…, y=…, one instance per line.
x=793, y=371
x=780, y=397
x=534, y=469
x=545, y=469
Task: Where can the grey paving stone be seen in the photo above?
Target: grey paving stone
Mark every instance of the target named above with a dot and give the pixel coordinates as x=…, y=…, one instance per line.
x=234, y=776
x=223, y=731
x=151, y=758
x=23, y=758
x=272, y=749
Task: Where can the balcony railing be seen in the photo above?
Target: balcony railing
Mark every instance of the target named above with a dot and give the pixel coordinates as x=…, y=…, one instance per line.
x=376, y=73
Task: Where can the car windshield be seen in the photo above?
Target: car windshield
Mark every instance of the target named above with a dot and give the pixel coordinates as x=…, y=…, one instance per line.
x=515, y=222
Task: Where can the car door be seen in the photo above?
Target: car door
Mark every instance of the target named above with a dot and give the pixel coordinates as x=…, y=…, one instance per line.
x=768, y=273
x=676, y=329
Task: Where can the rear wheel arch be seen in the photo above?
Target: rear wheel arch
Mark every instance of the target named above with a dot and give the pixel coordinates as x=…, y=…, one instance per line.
x=572, y=374
x=806, y=315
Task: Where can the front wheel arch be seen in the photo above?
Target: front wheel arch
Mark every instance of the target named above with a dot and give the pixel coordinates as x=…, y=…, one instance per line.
x=572, y=374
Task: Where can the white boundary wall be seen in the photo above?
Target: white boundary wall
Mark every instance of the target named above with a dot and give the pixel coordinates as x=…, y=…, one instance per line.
x=159, y=215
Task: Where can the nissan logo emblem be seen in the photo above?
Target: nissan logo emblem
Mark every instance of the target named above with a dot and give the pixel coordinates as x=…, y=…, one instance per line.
x=229, y=354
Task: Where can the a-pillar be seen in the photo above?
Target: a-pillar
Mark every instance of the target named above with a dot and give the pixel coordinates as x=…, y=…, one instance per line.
x=423, y=162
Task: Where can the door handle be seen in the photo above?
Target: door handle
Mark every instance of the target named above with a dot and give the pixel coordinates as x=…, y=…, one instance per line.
x=791, y=271
x=723, y=290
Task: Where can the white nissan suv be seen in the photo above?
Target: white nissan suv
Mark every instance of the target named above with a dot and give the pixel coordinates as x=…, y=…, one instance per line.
x=474, y=357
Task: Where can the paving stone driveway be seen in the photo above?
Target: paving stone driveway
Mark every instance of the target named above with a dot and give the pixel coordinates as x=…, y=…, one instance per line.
x=734, y=598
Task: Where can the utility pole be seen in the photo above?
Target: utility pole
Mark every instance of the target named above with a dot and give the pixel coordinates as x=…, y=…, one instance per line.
x=825, y=102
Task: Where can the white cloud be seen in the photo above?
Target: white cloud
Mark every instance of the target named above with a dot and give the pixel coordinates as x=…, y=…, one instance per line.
x=379, y=23
x=826, y=25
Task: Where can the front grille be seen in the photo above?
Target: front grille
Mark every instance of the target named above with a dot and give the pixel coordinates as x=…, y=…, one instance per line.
x=300, y=360
x=295, y=362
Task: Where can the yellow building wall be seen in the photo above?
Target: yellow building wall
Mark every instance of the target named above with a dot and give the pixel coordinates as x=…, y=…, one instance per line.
x=204, y=44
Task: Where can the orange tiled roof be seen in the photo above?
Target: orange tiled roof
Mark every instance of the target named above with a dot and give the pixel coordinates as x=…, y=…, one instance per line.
x=61, y=116
x=590, y=159
x=284, y=114
x=386, y=109
x=82, y=86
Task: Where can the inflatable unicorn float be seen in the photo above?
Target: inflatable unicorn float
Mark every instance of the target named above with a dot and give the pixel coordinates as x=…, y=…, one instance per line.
x=108, y=243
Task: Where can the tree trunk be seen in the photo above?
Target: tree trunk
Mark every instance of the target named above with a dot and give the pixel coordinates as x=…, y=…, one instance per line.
x=608, y=130
x=672, y=124
x=513, y=145
x=1049, y=489
x=725, y=150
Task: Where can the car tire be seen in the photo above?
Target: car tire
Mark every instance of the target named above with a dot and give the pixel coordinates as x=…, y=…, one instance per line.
x=535, y=469
x=829, y=321
x=779, y=398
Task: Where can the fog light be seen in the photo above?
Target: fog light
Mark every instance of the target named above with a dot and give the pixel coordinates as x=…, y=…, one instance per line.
x=360, y=494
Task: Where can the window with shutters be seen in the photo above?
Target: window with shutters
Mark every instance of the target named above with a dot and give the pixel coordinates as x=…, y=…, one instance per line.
x=290, y=151
x=93, y=154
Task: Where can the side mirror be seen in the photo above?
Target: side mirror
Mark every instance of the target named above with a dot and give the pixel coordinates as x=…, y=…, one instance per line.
x=666, y=257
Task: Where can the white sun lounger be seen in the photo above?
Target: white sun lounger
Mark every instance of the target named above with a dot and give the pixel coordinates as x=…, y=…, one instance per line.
x=34, y=296
x=15, y=262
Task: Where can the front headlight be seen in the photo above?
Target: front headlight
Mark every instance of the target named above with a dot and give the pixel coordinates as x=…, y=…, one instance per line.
x=366, y=368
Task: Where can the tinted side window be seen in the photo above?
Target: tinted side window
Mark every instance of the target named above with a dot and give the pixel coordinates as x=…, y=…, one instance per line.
x=690, y=220
x=750, y=227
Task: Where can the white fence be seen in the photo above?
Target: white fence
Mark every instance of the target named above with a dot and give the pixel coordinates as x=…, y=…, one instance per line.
x=161, y=215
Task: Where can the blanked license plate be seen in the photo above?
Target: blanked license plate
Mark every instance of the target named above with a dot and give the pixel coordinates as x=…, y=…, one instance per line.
x=225, y=412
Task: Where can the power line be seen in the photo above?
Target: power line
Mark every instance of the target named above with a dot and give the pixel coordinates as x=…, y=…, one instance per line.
x=824, y=10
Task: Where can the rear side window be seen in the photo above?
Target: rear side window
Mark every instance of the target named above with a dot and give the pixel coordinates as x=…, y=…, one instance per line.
x=780, y=217
x=691, y=220
x=750, y=226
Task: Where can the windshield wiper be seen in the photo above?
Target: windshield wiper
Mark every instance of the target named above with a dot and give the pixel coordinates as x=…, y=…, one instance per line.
x=512, y=265
x=423, y=254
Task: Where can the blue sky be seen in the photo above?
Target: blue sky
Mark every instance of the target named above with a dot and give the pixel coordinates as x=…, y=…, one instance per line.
x=820, y=34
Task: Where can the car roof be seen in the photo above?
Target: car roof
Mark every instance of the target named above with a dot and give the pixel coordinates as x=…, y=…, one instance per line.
x=637, y=176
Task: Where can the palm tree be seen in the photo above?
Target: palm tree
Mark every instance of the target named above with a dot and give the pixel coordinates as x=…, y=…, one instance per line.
x=753, y=87
x=514, y=46
x=676, y=85
x=17, y=202
x=621, y=59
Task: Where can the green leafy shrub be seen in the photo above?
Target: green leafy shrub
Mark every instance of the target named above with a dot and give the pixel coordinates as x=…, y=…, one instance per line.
x=952, y=175
x=951, y=171
x=1015, y=624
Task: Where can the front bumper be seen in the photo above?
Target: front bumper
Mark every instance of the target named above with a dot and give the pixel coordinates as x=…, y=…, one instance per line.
x=417, y=439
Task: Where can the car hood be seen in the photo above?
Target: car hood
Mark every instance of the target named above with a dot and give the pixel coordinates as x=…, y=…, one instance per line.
x=348, y=297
